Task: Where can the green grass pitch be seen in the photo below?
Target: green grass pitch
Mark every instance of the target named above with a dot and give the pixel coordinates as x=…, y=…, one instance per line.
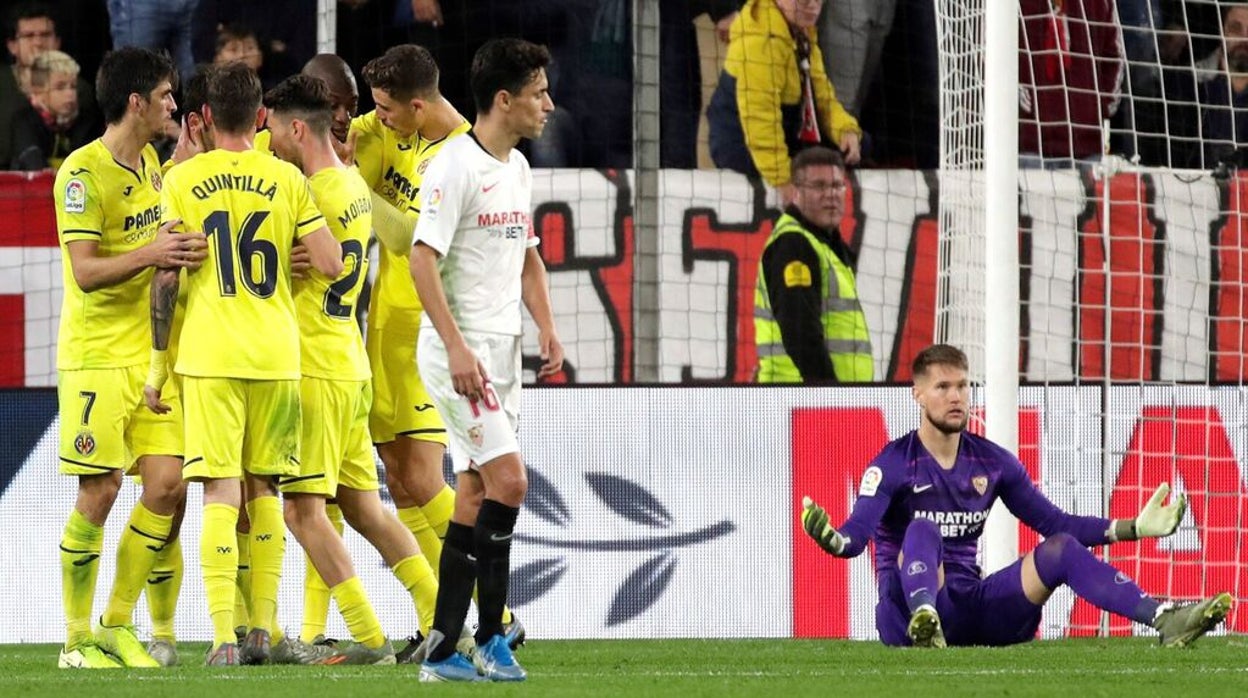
x=774, y=668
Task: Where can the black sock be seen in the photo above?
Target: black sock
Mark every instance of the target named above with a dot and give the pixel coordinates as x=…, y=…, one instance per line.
x=457, y=574
x=492, y=536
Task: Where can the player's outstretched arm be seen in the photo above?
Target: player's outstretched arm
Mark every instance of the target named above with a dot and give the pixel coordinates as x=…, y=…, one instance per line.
x=536, y=295
x=1156, y=520
x=163, y=305
x=93, y=271
x=392, y=226
x=816, y=524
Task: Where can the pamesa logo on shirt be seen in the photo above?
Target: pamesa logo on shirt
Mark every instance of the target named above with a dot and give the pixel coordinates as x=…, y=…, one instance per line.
x=655, y=545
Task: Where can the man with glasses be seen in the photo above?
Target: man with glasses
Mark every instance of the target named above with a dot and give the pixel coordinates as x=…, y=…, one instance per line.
x=29, y=31
x=808, y=323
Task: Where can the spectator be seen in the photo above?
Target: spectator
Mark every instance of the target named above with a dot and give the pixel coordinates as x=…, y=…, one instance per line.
x=285, y=31
x=773, y=96
x=239, y=43
x=680, y=98
x=51, y=126
x=1222, y=87
x=808, y=322
x=852, y=35
x=155, y=24
x=1070, y=76
x=591, y=79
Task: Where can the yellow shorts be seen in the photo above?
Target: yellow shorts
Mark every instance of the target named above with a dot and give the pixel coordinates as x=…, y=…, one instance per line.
x=234, y=425
x=105, y=425
x=336, y=447
x=401, y=405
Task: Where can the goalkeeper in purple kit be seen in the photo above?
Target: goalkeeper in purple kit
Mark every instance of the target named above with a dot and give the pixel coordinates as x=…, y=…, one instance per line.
x=924, y=500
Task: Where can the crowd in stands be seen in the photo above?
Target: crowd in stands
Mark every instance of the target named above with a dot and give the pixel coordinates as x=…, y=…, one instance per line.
x=1169, y=76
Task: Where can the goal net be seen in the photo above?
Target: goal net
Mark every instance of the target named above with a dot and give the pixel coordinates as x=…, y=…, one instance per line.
x=1132, y=311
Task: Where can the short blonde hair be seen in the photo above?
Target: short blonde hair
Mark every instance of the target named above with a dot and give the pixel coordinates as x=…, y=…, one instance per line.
x=48, y=63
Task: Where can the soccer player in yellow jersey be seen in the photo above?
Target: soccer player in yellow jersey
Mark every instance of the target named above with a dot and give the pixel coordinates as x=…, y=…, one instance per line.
x=392, y=147
x=337, y=452
x=107, y=197
x=239, y=354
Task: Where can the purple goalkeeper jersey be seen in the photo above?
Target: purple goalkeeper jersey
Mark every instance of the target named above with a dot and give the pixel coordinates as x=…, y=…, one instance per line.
x=905, y=482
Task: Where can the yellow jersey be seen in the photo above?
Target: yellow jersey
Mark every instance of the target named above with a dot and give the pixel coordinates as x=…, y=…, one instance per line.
x=394, y=167
x=100, y=200
x=240, y=313
x=263, y=141
x=331, y=344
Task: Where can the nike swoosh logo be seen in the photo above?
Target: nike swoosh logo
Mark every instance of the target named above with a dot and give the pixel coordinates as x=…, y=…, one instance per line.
x=486, y=190
x=498, y=539
x=922, y=488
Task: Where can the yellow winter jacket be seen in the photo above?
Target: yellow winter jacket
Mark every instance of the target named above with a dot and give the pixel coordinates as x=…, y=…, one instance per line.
x=762, y=56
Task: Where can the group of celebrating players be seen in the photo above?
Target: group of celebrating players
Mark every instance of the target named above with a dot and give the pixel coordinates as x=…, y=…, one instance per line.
x=208, y=334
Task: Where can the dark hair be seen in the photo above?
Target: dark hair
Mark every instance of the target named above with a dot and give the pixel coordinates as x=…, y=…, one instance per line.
x=504, y=64
x=816, y=156
x=303, y=96
x=235, y=31
x=403, y=72
x=234, y=96
x=26, y=10
x=127, y=71
x=195, y=91
x=938, y=355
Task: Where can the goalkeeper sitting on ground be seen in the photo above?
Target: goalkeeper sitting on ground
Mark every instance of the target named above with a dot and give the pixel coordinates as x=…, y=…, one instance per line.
x=925, y=498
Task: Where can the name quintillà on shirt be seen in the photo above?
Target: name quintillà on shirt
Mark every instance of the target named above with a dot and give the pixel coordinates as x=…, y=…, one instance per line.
x=228, y=182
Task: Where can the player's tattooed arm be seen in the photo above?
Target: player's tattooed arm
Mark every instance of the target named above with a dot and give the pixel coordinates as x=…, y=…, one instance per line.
x=164, y=298
x=164, y=301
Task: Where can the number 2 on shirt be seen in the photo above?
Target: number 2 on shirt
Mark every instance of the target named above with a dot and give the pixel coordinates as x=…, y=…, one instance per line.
x=352, y=250
x=217, y=228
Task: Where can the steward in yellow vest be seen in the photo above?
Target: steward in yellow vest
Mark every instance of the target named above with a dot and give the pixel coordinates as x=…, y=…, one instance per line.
x=808, y=321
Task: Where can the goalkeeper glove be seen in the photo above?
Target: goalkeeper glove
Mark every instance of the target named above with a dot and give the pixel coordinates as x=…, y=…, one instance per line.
x=815, y=521
x=1155, y=520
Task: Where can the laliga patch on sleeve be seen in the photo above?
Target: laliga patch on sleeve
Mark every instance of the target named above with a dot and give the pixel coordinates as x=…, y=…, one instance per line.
x=870, y=481
x=75, y=196
x=796, y=274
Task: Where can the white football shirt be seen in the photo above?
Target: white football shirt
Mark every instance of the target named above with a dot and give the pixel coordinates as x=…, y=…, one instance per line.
x=476, y=212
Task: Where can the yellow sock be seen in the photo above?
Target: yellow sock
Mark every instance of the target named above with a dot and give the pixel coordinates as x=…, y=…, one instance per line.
x=358, y=613
x=416, y=576
x=438, y=513
x=81, y=545
x=414, y=520
x=218, y=556
x=164, y=584
x=268, y=545
x=145, y=534
x=242, y=582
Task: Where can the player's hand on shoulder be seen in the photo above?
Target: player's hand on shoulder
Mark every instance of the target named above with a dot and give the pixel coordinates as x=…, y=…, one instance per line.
x=1158, y=519
x=300, y=261
x=815, y=523
x=551, y=350
x=152, y=397
x=170, y=250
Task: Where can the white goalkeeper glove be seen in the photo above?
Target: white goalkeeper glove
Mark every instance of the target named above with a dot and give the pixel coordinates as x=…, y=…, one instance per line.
x=1156, y=519
x=815, y=522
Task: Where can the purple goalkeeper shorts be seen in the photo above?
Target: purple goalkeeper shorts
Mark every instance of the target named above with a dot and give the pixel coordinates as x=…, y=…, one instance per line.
x=992, y=611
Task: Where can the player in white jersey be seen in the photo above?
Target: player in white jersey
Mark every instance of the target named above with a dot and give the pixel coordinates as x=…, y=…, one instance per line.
x=474, y=260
